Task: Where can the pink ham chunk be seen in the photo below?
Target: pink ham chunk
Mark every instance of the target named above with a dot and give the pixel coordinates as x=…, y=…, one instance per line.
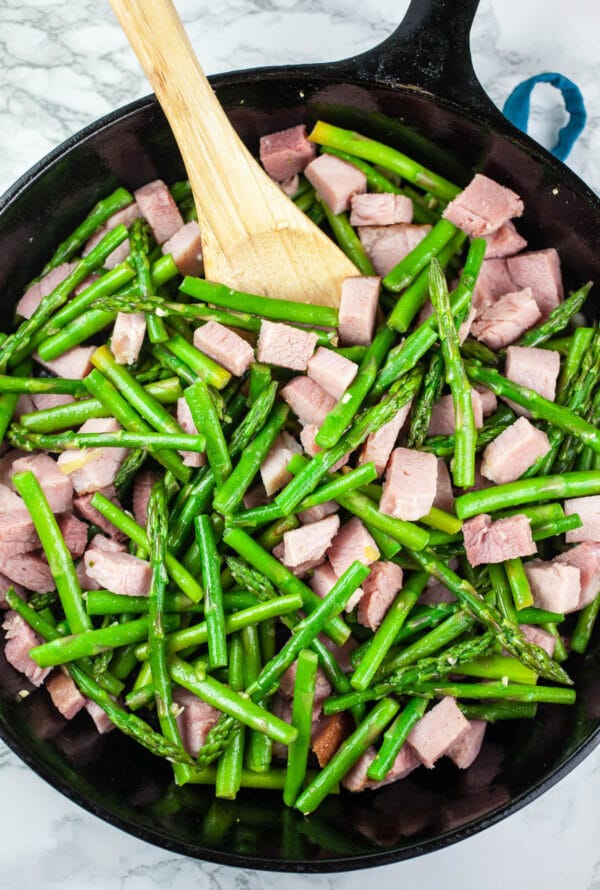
x=438, y=731
x=309, y=542
x=540, y=637
x=380, y=209
x=379, y=591
x=444, y=492
x=195, y=719
x=286, y=152
x=102, y=721
x=515, y=450
x=5, y=584
x=30, y=570
x=333, y=372
x=159, y=209
x=186, y=422
x=386, y=246
x=308, y=401
x=119, y=572
x=323, y=688
x=540, y=271
x=356, y=779
x=358, y=309
x=533, y=368
x=128, y=337
x=273, y=471
x=487, y=541
x=44, y=400
x=98, y=542
x=335, y=181
x=20, y=638
x=34, y=294
x=290, y=185
x=185, y=247
x=588, y=510
x=483, y=207
x=300, y=570
x=467, y=748
x=379, y=445
x=504, y=242
x=493, y=282
x=507, y=319
x=489, y=402
x=65, y=695
x=91, y=469
x=285, y=346
x=83, y=507
x=323, y=578
x=315, y=514
x=123, y=217
x=57, y=487
x=555, y=585
x=352, y=542
x=443, y=421
x=410, y=484
x=74, y=532
x=74, y=364
x=142, y=486
x=586, y=558
x=225, y=347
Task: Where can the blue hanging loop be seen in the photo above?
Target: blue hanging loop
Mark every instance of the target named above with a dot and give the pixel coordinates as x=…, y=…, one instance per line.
x=517, y=106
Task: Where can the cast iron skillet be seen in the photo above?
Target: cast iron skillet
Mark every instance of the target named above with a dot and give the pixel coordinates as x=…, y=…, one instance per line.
x=416, y=90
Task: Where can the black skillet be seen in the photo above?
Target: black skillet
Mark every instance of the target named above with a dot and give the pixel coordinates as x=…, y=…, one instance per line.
x=417, y=90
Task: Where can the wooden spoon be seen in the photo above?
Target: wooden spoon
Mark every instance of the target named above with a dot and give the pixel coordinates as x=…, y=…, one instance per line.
x=254, y=238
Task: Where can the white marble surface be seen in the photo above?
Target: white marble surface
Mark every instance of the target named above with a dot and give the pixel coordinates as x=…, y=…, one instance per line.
x=62, y=64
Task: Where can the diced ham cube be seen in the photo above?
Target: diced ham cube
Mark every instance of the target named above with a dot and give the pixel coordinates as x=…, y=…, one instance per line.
x=102, y=721
x=308, y=401
x=483, y=207
x=308, y=436
x=56, y=486
x=410, y=484
x=540, y=637
x=98, y=542
x=588, y=510
x=91, y=469
x=314, y=514
x=224, y=346
x=467, y=749
x=487, y=541
x=300, y=570
x=379, y=591
x=186, y=422
x=286, y=152
x=504, y=242
x=534, y=368
x=555, y=585
x=443, y=421
x=128, y=336
x=352, y=542
x=489, y=402
x=323, y=578
x=493, y=282
x=118, y=255
x=20, y=638
x=507, y=319
x=386, y=246
x=333, y=372
x=65, y=695
x=512, y=452
x=142, y=486
x=185, y=247
x=356, y=779
x=335, y=181
x=195, y=719
x=439, y=730
x=540, y=271
x=290, y=185
x=436, y=593
x=358, y=309
x=74, y=364
x=5, y=583
x=444, y=492
x=159, y=209
x=379, y=445
x=330, y=734
x=119, y=572
x=285, y=346
x=30, y=570
x=74, y=532
x=123, y=217
x=273, y=471
x=34, y=294
x=82, y=506
x=380, y=209
x=323, y=688
x=87, y=282
x=256, y=497
x=44, y=400
x=309, y=542
x=585, y=557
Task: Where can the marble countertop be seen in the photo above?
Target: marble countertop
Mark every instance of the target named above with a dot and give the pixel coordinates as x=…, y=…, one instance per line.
x=63, y=64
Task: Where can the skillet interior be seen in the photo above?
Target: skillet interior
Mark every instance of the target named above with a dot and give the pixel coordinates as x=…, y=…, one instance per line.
x=115, y=779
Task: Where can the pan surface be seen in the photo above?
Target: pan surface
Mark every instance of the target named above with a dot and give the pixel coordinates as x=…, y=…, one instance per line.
x=416, y=91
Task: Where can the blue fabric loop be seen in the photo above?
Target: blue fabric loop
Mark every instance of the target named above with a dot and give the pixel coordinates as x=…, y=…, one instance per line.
x=516, y=108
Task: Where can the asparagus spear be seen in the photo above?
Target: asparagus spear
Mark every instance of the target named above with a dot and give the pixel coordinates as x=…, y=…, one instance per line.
x=347, y=239
x=229, y=768
x=304, y=693
x=213, y=593
x=23, y=439
x=405, y=272
x=423, y=405
x=139, y=246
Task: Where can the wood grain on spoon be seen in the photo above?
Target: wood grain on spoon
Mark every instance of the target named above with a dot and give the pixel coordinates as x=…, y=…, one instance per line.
x=254, y=238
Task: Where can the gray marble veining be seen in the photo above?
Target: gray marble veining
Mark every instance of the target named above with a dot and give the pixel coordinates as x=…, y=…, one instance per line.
x=62, y=65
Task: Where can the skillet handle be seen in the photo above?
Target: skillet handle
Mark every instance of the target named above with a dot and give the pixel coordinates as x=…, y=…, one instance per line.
x=430, y=50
